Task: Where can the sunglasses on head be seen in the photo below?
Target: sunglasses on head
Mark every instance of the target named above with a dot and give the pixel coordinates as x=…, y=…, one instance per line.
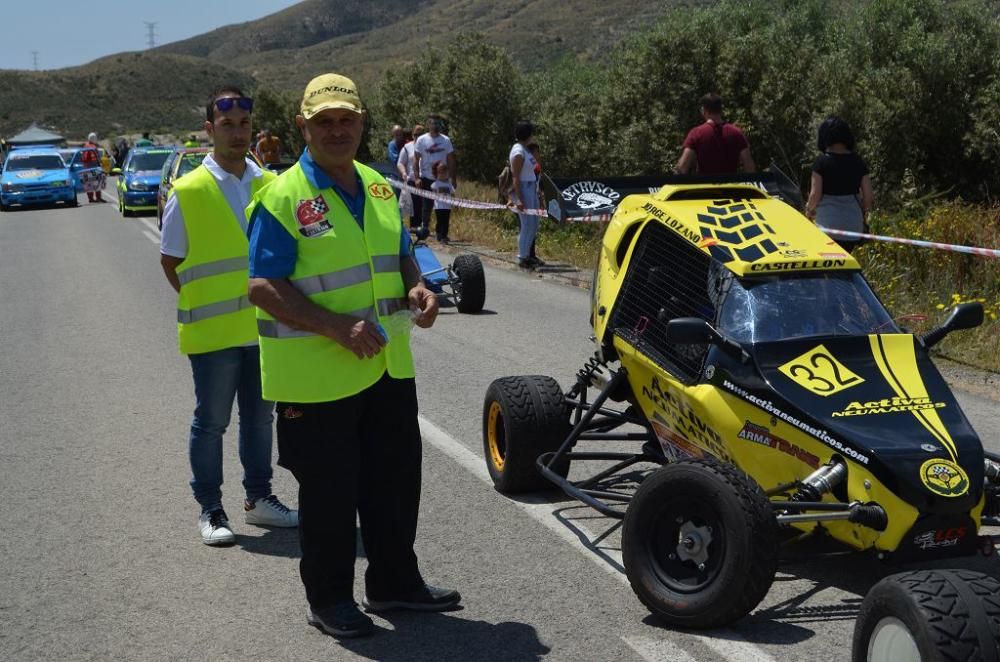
x=226, y=103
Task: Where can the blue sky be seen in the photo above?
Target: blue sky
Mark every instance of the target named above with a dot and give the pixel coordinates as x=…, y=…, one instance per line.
x=67, y=33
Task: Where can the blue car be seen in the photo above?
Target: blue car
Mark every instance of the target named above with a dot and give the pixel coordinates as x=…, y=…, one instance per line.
x=139, y=179
x=36, y=176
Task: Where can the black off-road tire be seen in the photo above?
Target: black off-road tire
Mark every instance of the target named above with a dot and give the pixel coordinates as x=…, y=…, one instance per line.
x=470, y=291
x=951, y=615
x=742, y=555
x=523, y=417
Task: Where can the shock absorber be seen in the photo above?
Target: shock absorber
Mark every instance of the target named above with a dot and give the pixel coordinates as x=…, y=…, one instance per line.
x=992, y=506
x=821, y=481
x=593, y=373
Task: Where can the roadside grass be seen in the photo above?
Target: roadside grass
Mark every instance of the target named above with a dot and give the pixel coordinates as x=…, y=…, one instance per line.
x=919, y=286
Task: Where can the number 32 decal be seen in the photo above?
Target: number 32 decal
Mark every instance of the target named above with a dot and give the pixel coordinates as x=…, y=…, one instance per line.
x=818, y=371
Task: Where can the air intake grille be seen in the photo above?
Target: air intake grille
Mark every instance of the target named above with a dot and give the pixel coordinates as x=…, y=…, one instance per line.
x=667, y=278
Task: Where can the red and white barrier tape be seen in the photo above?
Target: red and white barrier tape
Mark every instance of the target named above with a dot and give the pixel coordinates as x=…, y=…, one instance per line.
x=600, y=218
x=971, y=250
x=461, y=202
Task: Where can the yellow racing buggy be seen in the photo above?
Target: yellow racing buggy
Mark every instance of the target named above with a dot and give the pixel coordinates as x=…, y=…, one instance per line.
x=743, y=352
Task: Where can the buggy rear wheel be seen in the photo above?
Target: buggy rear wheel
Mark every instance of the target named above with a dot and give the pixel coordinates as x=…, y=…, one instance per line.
x=929, y=615
x=523, y=417
x=700, y=543
x=470, y=290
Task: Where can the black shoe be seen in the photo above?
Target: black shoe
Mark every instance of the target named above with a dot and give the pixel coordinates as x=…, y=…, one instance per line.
x=535, y=261
x=425, y=598
x=526, y=264
x=342, y=619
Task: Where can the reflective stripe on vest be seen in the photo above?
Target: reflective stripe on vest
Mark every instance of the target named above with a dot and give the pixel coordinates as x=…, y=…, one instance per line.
x=345, y=270
x=213, y=311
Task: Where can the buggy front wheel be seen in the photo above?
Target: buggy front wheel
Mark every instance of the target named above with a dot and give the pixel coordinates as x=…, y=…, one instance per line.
x=523, y=417
x=700, y=544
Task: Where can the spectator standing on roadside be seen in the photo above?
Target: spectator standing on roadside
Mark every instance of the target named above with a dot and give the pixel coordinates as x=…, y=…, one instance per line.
x=205, y=256
x=144, y=141
x=525, y=196
x=396, y=143
x=269, y=148
x=428, y=149
x=533, y=149
x=840, y=195
x=92, y=159
x=330, y=268
x=406, y=166
x=715, y=147
x=442, y=208
x=192, y=141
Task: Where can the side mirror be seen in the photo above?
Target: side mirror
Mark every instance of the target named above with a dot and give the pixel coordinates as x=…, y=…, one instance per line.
x=116, y=171
x=963, y=316
x=691, y=331
x=696, y=331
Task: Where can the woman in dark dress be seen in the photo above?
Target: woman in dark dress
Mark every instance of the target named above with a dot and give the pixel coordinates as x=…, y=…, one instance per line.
x=841, y=192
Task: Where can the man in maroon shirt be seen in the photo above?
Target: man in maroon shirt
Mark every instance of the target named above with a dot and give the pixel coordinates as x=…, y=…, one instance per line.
x=716, y=147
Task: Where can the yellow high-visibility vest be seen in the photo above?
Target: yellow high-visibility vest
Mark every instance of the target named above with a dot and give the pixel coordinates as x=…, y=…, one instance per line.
x=213, y=311
x=343, y=269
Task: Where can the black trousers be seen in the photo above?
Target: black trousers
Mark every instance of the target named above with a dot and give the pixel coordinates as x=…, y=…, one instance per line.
x=418, y=208
x=359, y=456
x=428, y=204
x=441, y=219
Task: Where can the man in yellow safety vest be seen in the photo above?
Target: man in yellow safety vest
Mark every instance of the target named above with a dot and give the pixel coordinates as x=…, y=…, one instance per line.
x=204, y=254
x=337, y=290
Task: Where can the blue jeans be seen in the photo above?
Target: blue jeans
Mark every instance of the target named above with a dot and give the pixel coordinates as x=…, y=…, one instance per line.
x=219, y=378
x=529, y=223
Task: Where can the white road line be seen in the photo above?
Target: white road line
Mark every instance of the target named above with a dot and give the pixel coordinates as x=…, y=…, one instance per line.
x=152, y=237
x=727, y=643
x=151, y=225
x=658, y=649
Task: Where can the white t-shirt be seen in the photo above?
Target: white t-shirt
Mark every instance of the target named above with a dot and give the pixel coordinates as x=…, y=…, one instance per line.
x=406, y=158
x=527, y=173
x=173, y=236
x=431, y=151
x=442, y=186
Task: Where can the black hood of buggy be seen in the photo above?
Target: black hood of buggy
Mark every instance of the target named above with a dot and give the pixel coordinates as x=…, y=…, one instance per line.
x=880, y=401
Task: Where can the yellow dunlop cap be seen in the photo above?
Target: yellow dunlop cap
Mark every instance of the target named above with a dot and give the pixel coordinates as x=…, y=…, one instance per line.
x=330, y=91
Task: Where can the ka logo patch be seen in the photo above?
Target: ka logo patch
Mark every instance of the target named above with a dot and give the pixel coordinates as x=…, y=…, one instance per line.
x=380, y=191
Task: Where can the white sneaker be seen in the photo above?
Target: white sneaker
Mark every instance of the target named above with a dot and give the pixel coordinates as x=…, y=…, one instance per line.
x=214, y=526
x=270, y=512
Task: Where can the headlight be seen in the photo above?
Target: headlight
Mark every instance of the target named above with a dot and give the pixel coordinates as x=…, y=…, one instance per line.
x=137, y=186
x=12, y=188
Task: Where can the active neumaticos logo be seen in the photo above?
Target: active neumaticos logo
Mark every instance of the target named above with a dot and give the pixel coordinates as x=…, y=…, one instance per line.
x=820, y=434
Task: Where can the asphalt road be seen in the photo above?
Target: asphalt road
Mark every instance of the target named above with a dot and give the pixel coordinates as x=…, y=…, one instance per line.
x=100, y=556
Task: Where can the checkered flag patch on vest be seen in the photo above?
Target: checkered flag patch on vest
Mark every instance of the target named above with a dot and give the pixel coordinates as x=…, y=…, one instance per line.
x=311, y=211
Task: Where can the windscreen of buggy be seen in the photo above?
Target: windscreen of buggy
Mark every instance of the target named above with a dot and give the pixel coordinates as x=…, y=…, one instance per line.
x=756, y=310
x=149, y=161
x=35, y=162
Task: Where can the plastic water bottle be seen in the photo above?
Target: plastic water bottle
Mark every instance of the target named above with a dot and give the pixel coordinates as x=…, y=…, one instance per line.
x=398, y=325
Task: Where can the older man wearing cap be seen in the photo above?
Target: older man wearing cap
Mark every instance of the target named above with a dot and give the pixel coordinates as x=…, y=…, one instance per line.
x=336, y=290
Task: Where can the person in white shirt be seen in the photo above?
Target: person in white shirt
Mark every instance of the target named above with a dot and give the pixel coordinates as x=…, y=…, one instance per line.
x=442, y=208
x=407, y=170
x=525, y=181
x=429, y=149
x=232, y=372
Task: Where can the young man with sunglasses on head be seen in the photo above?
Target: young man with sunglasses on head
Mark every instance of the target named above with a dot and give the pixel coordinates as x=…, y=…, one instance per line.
x=205, y=257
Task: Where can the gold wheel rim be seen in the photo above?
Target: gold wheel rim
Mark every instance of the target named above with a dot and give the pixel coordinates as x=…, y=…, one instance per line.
x=494, y=421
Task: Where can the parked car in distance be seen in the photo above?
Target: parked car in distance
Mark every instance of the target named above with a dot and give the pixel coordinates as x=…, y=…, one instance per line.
x=35, y=176
x=177, y=165
x=139, y=179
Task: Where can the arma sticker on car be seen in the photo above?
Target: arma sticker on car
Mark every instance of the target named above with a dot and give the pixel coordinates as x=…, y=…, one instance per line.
x=763, y=436
x=820, y=372
x=738, y=229
x=944, y=477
